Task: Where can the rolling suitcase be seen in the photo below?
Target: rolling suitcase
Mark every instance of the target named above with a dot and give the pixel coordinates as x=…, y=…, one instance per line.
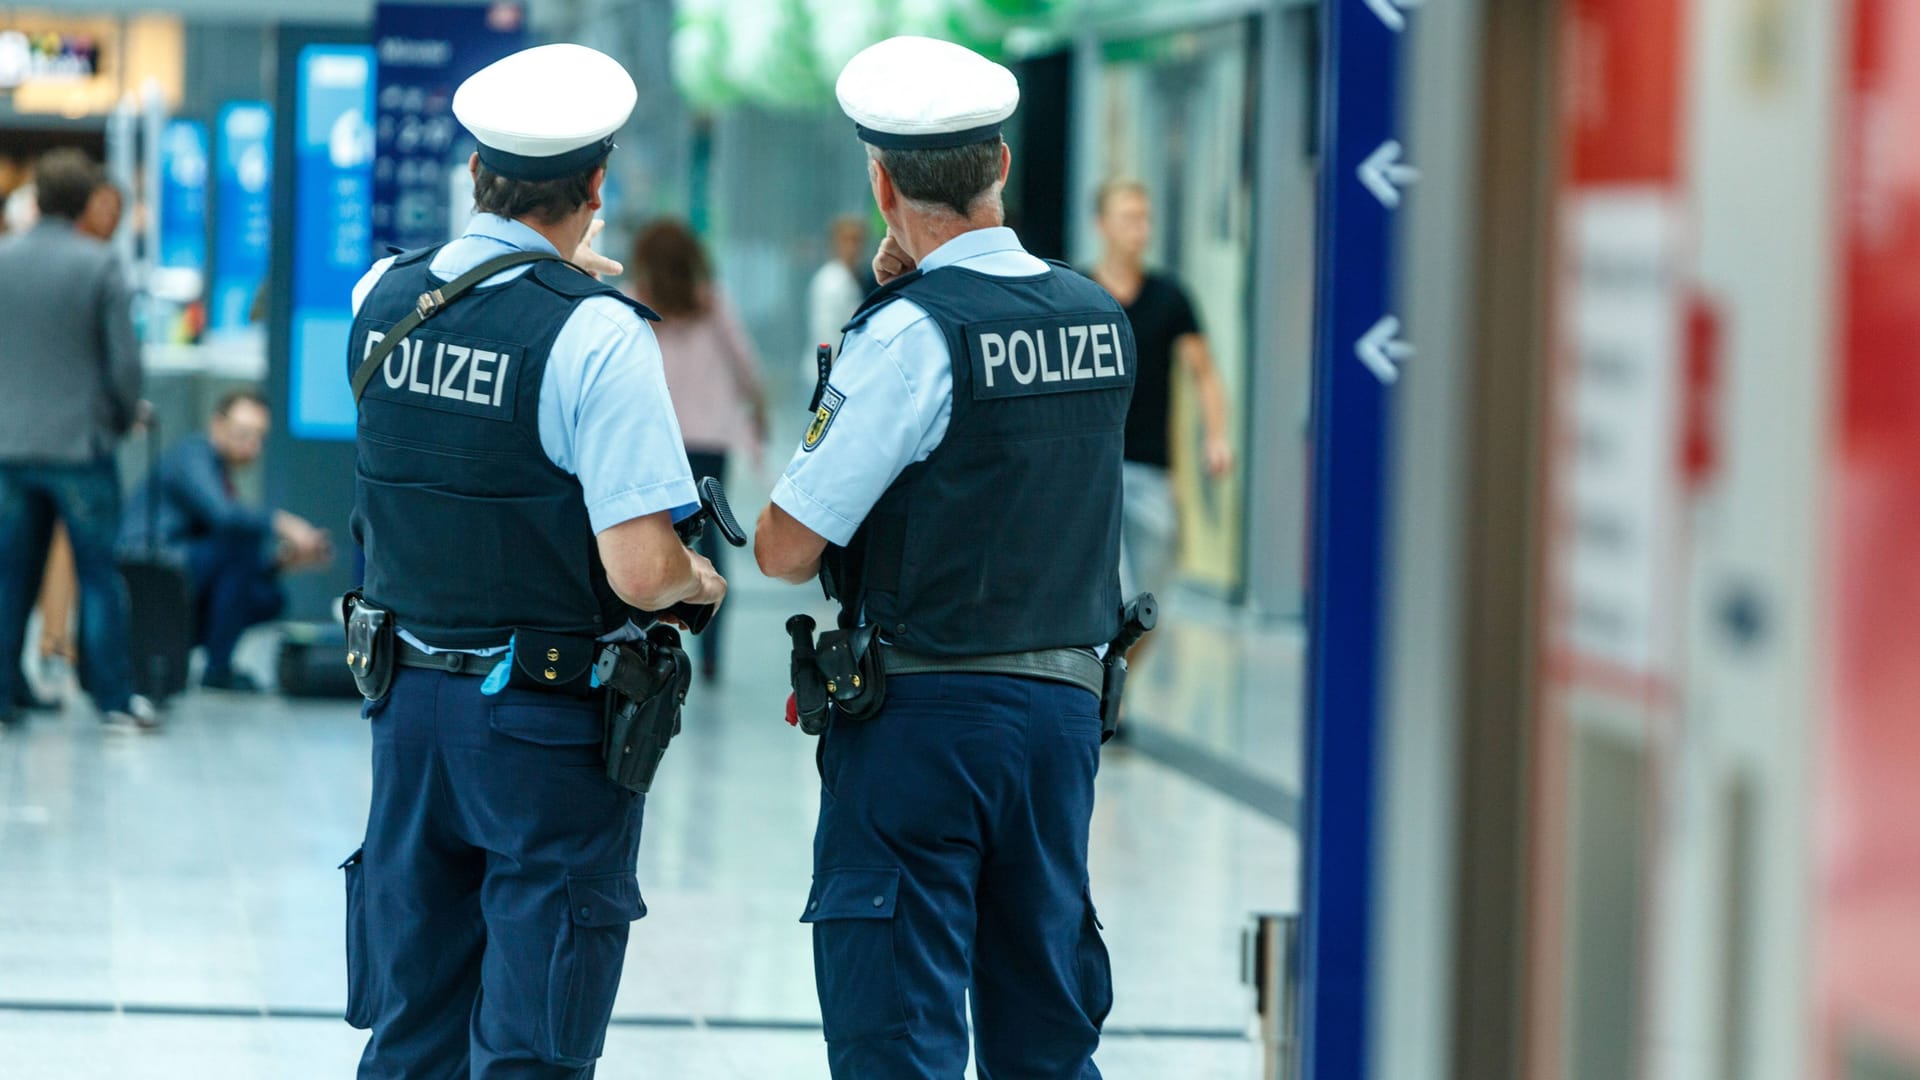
x=311, y=664
x=160, y=619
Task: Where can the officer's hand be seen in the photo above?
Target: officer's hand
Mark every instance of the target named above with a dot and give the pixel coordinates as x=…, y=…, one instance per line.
x=891, y=260
x=590, y=260
x=712, y=587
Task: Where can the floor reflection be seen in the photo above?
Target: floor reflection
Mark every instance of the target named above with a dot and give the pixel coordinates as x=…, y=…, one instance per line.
x=171, y=903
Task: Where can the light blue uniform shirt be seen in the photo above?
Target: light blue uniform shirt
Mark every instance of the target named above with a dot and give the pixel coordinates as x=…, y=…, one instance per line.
x=605, y=416
x=894, y=377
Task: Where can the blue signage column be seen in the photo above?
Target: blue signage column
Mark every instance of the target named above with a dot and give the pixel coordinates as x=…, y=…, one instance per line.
x=425, y=51
x=183, y=196
x=1358, y=353
x=332, y=245
x=243, y=225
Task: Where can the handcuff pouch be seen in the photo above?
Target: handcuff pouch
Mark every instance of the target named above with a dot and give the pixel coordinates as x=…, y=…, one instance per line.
x=849, y=662
x=555, y=663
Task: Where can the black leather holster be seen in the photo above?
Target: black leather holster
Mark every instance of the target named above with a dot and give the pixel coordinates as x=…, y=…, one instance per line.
x=646, y=683
x=370, y=645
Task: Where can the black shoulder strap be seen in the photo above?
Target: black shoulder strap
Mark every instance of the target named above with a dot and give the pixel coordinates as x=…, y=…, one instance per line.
x=430, y=304
x=879, y=297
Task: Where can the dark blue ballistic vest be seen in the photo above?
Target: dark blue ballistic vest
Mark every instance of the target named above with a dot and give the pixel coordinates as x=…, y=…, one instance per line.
x=1007, y=537
x=469, y=529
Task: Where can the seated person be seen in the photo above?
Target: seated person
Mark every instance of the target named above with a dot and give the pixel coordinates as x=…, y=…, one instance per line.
x=233, y=553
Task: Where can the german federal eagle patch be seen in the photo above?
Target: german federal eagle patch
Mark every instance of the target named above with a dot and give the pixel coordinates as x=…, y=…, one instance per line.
x=830, y=402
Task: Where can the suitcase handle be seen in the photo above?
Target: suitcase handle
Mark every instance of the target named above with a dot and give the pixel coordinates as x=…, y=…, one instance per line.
x=151, y=417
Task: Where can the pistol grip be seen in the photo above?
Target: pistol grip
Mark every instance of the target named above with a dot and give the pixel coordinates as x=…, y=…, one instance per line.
x=696, y=616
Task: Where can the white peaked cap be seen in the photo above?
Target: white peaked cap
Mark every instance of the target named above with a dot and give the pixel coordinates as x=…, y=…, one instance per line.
x=917, y=93
x=546, y=112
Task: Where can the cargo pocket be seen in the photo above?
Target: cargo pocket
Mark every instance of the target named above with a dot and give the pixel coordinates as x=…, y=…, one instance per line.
x=1095, y=968
x=560, y=730
x=852, y=911
x=360, y=1010
x=585, y=973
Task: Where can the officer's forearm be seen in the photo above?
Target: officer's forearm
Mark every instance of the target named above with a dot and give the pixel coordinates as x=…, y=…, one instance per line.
x=646, y=564
x=799, y=574
x=673, y=585
x=786, y=549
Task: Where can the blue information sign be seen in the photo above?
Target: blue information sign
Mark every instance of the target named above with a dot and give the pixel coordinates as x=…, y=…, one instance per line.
x=243, y=218
x=332, y=238
x=1358, y=353
x=424, y=53
x=183, y=196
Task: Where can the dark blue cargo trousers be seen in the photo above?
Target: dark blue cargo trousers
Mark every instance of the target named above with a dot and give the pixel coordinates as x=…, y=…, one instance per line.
x=951, y=859
x=488, y=910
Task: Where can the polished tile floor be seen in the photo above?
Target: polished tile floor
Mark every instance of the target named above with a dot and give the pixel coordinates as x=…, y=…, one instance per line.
x=170, y=907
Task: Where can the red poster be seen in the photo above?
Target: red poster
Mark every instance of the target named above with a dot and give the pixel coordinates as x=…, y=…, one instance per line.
x=1869, y=886
x=1621, y=91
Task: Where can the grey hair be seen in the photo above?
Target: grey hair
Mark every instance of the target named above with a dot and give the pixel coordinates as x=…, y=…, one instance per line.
x=947, y=180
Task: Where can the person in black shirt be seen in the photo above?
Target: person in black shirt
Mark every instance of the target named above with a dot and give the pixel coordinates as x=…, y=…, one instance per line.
x=1165, y=329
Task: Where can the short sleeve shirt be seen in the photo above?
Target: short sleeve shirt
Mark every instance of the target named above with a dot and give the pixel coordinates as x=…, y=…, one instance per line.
x=889, y=399
x=1161, y=315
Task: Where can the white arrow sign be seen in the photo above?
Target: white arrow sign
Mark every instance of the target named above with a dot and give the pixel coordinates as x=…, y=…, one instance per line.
x=1390, y=12
x=1379, y=350
x=1384, y=174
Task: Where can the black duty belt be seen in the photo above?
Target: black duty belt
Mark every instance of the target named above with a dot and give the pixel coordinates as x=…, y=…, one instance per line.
x=1075, y=667
x=457, y=663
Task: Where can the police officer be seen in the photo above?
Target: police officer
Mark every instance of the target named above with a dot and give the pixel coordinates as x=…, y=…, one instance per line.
x=518, y=466
x=961, y=484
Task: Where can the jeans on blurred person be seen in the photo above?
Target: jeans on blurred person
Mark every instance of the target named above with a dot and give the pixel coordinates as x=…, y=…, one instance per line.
x=234, y=587
x=1149, y=530
x=712, y=463
x=87, y=500
x=36, y=537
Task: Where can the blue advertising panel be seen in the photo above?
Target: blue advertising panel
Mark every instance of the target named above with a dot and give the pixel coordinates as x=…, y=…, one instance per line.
x=424, y=52
x=243, y=218
x=183, y=196
x=1358, y=360
x=332, y=235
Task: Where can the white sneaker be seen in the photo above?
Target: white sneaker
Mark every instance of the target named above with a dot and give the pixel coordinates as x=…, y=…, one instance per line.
x=139, y=715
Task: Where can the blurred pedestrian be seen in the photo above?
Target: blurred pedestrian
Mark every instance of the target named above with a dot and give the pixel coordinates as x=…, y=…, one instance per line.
x=838, y=286
x=713, y=373
x=234, y=553
x=1165, y=330
x=58, y=588
x=69, y=391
